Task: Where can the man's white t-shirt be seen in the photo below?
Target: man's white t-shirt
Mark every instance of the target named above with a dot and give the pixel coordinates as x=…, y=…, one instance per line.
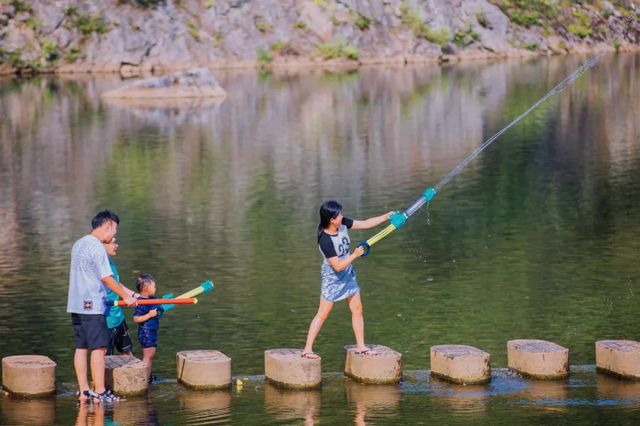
x=89, y=264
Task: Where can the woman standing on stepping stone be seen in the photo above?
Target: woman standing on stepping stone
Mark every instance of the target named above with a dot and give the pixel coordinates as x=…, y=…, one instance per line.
x=337, y=272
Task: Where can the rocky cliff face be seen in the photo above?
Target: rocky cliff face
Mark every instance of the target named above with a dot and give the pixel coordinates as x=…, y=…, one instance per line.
x=138, y=36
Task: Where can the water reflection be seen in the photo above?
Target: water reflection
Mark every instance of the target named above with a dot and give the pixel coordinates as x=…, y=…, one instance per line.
x=201, y=407
x=19, y=411
x=466, y=400
x=292, y=405
x=372, y=402
x=90, y=415
x=549, y=395
x=136, y=411
x=230, y=192
x=617, y=390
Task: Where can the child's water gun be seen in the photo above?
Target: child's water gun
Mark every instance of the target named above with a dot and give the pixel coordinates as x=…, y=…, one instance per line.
x=163, y=301
x=204, y=288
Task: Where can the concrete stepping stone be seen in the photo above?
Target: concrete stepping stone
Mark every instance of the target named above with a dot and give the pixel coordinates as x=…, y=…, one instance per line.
x=383, y=368
x=126, y=375
x=620, y=358
x=286, y=368
x=460, y=364
x=28, y=375
x=203, y=369
x=538, y=359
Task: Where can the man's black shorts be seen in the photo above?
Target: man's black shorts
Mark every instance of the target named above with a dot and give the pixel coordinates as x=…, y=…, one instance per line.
x=90, y=331
x=120, y=339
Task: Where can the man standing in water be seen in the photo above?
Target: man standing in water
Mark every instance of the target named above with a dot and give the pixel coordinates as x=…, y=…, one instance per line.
x=89, y=274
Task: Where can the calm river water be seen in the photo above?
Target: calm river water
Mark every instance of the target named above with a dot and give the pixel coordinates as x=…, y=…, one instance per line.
x=536, y=238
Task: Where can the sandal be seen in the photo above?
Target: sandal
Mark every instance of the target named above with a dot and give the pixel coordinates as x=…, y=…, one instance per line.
x=367, y=352
x=104, y=397
x=310, y=355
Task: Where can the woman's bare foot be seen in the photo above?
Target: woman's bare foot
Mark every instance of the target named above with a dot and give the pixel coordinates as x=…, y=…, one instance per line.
x=365, y=351
x=309, y=355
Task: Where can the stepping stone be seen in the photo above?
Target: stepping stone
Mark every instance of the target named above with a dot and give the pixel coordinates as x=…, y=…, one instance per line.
x=383, y=368
x=620, y=358
x=460, y=364
x=29, y=375
x=126, y=375
x=538, y=359
x=288, y=369
x=203, y=369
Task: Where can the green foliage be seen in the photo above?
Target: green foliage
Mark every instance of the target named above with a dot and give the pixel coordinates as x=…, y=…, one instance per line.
x=193, y=30
x=322, y=4
x=530, y=46
x=412, y=19
x=337, y=49
x=50, y=51
x=301, y=25
x=465, y=37
x=278, y=47
x=21, y=6
x=31, y=23
x=606, y=13
x=528, y=13
x=525, y=18
x=15, y=59
x=438, y=35
x=363, y=22
x=217, y=39
x=264, y=57
x=84, y=23
x=581, y=28
x=72, y=54
x=262, y=26
x=483, y=21
x=209, y=3
x=616, y=44
x=147, y=3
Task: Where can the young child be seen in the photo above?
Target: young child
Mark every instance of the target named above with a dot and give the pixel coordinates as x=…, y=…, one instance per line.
x=337, y=272
x=148, y=318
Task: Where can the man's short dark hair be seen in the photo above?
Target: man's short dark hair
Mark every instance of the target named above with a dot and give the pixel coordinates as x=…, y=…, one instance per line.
x=103, y=217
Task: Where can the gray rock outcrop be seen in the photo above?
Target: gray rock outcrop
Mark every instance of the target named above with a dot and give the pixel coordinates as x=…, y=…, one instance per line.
x=134, y=37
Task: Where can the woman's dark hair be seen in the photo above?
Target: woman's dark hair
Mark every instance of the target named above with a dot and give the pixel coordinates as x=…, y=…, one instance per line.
x=102, y=217
x=328, y=210
x=142, y=281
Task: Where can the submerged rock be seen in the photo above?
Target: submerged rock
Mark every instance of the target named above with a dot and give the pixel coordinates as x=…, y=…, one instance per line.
x=194, y=83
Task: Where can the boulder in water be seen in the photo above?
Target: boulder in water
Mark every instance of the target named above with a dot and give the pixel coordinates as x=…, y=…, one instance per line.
x=192, y=83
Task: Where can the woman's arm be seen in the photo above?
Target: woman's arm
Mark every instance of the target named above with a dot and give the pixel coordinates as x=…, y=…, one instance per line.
x=371, y=222
x=340, y=265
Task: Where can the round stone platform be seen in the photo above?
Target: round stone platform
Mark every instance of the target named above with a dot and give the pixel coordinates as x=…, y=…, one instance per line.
x=203, y=369
x=538, y=359
x=383, y=368
x=126, y=375
x=620, y=358
x=286, y=368
x=460, y=364
x=28, y=375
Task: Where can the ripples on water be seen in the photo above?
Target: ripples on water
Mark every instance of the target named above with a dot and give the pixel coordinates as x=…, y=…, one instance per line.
x=535, y=238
